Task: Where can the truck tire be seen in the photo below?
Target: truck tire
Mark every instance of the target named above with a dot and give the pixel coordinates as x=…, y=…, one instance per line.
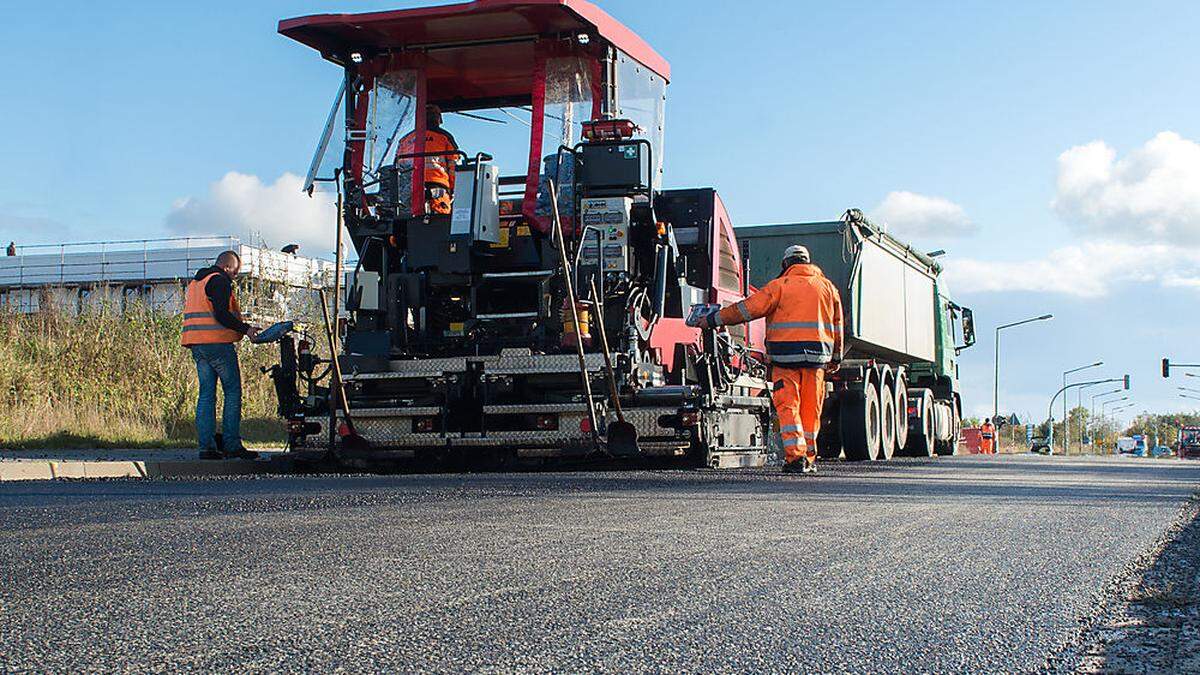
x=901, y=413
x=949, y=447
x=860, y=423
x=829, y=437
x=920, y=436
x=887, y=422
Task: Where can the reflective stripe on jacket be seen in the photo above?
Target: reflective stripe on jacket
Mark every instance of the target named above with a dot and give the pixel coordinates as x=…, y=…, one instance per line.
x=804, y=317
x=200, y=326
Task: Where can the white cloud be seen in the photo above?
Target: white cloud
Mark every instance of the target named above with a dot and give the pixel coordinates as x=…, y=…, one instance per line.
x=908, y=214
x=243, y=205
x=1153, y=194
x=1087, y=271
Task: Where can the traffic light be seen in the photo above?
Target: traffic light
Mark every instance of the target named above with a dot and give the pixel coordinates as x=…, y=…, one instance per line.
x=1166, y=367
x=1126, y=383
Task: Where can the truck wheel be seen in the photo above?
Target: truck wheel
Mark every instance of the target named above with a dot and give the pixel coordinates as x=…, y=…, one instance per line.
x=860, y=423
x=887, y=422
x=829, y=437
x=920, y=439
x=949, y=447
x=901, y=415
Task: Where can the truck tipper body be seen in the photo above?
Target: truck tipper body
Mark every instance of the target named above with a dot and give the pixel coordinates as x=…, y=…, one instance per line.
x=898, y=390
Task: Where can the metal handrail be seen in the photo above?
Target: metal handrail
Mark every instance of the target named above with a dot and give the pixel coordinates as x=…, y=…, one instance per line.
x=184, y=241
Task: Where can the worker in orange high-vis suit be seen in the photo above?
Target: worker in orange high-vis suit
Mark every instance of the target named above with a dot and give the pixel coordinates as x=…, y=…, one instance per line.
x=439, y=169
x=804, y=340
x=987, y=438
x=212, y=323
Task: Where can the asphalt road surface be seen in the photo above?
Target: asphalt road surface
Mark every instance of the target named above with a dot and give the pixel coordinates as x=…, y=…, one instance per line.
x=947, y=565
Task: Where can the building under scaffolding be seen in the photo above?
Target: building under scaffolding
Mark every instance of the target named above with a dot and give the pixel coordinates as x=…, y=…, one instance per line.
x=153, y=273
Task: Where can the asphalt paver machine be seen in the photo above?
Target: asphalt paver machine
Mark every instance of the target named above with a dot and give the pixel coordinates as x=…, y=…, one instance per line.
x=543, y=315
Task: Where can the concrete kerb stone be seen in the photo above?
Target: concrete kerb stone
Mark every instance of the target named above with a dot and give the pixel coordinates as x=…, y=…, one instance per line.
x=42, y=469
x=26, y=470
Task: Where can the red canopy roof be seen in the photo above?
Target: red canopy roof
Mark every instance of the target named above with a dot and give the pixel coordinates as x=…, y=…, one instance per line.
x=481, y=20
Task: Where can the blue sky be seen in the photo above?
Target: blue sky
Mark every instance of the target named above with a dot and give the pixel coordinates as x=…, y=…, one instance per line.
x=947, y=119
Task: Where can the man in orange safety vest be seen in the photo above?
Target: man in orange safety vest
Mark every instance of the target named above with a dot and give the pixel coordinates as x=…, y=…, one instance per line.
x=212, y=323
x=803, y=310
x=439, y=169
x=987, y=438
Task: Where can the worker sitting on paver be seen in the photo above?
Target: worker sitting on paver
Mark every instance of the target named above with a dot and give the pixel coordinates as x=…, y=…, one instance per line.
x=439, y=169
x=987, y=438
x=212, y=323
x=804, y=340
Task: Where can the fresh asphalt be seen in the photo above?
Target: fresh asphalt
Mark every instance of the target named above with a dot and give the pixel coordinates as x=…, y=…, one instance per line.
x=960, y=564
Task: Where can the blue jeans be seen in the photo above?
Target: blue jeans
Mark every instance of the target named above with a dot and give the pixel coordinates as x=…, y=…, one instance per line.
x=218, y=362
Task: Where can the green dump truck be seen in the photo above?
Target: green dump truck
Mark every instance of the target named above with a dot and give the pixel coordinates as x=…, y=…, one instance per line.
x=897, y=391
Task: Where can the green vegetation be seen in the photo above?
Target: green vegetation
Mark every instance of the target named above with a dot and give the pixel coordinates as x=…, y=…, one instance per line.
x=107, y=378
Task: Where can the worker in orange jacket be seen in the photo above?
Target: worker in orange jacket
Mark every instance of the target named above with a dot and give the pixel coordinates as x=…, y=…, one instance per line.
x=439, y=169
x=212, y=324
x=804, y=341
x=987, y=438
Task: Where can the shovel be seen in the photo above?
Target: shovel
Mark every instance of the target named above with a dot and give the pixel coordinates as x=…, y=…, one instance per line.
x=622, y=436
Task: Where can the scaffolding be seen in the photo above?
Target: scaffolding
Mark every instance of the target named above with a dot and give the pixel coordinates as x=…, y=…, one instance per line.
x=79, y=276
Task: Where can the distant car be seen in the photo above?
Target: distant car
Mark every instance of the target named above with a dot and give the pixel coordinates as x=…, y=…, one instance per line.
x=1189, y=441
x=1162, y=451
x=1040, y=446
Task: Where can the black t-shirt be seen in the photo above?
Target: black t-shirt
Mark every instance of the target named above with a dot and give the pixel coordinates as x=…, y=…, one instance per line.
x=219, y=291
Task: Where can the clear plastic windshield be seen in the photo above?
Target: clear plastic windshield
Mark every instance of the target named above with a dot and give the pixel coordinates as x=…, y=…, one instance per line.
x=326, y=159
x=642, y=98
x=569, y=103
x=391, y=116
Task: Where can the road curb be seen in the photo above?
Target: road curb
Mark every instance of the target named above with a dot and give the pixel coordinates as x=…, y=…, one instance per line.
x=48, y=469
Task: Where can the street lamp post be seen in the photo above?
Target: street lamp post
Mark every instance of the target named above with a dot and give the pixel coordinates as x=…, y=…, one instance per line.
x=996, y=361
x=1105, y=413
x=1105, y=404
x=1117, y=411
x=1066, y=417
x=1101, y=395
x=1079, y=404
x=1063, y=392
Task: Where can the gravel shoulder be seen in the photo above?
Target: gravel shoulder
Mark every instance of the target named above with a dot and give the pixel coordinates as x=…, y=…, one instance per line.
x=1148, y=618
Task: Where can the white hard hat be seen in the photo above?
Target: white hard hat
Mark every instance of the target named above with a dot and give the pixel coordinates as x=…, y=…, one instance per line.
x=797, y=252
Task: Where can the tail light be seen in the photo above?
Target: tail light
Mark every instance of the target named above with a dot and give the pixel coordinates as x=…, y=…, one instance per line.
x=546, y=422
x=689, y=418
x=424, y=425
x=585, y=425
x=608, y=130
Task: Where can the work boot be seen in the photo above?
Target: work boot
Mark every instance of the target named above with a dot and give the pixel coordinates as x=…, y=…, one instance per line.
x=209, y=453
x=794, y=467
x=240, y=452
x=810, y=465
